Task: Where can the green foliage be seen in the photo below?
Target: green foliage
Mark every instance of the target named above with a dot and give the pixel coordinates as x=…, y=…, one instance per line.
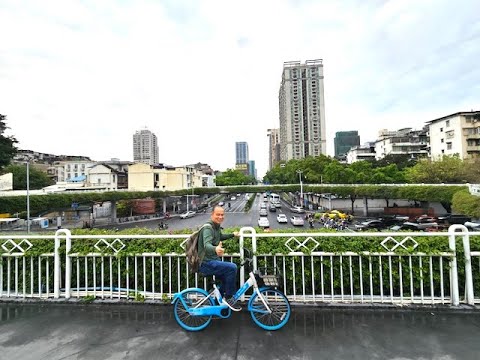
x=465, y=203
x=37, y=178
x=450, y=169
x=88, y=299
x=234, y=177
x=7, y=144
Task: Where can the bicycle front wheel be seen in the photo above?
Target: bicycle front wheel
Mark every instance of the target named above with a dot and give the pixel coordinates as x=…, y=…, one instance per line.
x=279, y=307
x=192, y=299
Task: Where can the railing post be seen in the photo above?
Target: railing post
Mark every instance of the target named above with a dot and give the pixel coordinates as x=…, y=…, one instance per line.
x=453, y=263
x=57, y=263
x=247, y=231
x=469, y=296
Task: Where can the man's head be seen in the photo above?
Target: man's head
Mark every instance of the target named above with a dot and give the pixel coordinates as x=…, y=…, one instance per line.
x=218, y=214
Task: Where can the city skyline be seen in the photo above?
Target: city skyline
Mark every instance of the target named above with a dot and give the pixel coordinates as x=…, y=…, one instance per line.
x=79, y=77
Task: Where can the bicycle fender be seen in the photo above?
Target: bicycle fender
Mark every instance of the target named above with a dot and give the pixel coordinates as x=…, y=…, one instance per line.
x=177, y=295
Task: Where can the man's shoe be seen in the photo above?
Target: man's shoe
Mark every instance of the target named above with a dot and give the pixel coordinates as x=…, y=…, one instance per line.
x=231, y=303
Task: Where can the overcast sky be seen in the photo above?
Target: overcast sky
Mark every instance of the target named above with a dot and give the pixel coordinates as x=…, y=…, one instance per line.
x=80, y=77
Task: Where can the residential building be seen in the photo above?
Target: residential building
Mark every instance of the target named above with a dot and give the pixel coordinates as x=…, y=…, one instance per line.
x=144, y=177
x=302, y=110
x=344, y=141
x=111, y=174
x=362, y=152
x=145, y=147
x=273, y=147
x=402, y=142
x=70, y=170
x=46, y=162
x=457, y=133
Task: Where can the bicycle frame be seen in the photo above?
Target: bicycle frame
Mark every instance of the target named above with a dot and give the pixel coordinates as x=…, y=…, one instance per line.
x=216, y=310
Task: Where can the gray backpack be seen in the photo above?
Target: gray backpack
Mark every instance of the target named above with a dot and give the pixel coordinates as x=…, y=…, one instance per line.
x=191, y=250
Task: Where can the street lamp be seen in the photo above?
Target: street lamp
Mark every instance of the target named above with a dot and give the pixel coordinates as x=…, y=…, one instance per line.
x=300, y=172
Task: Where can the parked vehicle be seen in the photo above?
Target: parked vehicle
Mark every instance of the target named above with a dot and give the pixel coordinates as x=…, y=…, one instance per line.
x=263, y=222
x=334, y=214
x=411, y=226
x=451, y=219
x=297, y=220
x=425, y=219
x=282, y=218
x=374, y=224
x=472, y=225
x=187, y=214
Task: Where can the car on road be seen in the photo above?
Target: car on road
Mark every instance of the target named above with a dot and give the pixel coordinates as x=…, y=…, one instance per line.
x=263, y=222
x=297, y=209
x=374, y=224
x=187, y=214
x=412, y=226
x=282, y=219
x=263, y=212
x=233, y=198
x=297, y=220
x=475, y=226
x=272, y=208
x=221, y=203
x=334, y=214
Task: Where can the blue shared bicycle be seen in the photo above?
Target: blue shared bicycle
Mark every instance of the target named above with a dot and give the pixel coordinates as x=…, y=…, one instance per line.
x=194, y=308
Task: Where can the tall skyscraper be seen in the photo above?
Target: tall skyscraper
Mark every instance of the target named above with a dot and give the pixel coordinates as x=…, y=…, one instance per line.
x=241, y=156
x=344, y=141
x=241, y=152
x=302, y=110
x=145, y=147
x=273, y=147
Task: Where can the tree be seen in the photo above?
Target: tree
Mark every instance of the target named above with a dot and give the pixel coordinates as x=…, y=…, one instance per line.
x=37, y=178
x=450, y=169
x=7, y=144
x=234, y=177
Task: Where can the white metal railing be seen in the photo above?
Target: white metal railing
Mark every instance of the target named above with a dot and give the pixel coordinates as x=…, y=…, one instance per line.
x=26, y=276
x=310, y=275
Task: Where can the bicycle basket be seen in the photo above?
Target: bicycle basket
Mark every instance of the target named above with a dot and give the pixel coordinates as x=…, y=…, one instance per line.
x=271, y=278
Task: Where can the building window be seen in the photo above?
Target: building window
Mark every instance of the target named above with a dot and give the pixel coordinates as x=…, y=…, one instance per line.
x=441, y=140
x=441, y=129
x=449, y=146
x=447, y=123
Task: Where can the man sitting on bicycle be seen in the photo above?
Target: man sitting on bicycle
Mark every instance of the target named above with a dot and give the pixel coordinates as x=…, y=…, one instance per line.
x=210, y=246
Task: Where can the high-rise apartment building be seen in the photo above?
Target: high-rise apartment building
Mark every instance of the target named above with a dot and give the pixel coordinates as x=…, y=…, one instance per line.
x=273, y=147
x=344, y=141
x=145, y=147
x=302, y=110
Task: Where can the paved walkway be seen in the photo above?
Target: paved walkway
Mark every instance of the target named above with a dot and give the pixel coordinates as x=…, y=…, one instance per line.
x=66, y=331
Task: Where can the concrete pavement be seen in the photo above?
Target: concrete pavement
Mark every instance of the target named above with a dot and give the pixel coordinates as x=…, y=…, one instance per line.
x=144, y=331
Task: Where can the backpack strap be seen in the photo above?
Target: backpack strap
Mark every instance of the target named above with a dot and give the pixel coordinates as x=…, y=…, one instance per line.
x=202, y=255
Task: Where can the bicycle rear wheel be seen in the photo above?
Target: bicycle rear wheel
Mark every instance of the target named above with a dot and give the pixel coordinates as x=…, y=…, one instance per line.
x=192, y=299
x=278, y=304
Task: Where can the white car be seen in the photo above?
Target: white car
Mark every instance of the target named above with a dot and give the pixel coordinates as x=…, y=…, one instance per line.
x=297, y=221
x=298, y=210
x=263, y=222
x=187, y=214
x=263, y=212
x=282, y=218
